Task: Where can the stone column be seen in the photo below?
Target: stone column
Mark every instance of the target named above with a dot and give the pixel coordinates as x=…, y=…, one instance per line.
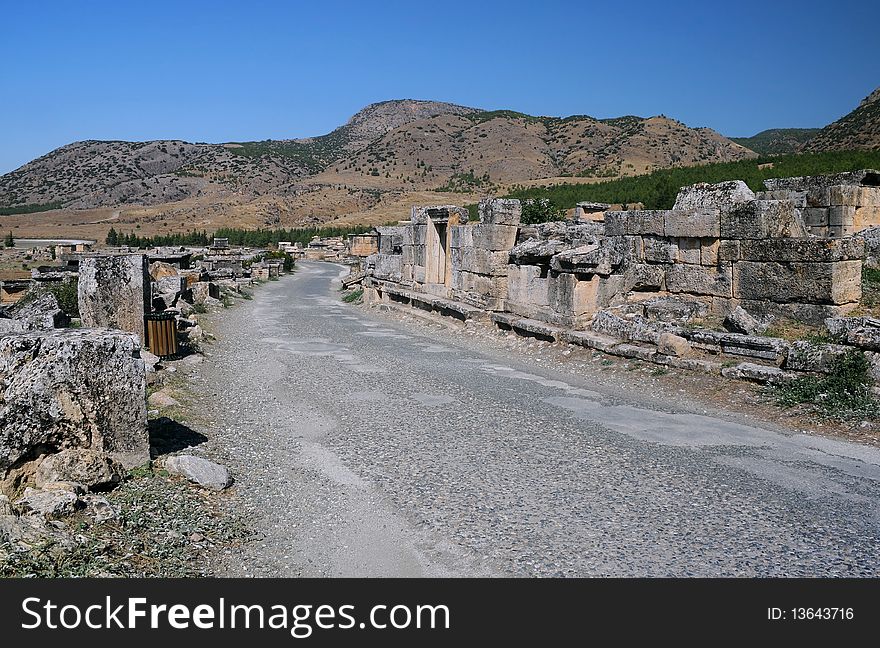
x=114, y=292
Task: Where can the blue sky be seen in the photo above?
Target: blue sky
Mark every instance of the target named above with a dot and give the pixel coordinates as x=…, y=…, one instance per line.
x=219, y=71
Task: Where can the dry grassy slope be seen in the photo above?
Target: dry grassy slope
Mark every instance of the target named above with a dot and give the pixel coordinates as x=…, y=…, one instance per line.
x=508, y=149
x=860, y=129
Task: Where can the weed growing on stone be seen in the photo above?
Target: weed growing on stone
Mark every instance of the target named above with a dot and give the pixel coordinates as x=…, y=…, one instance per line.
x=354, y=296
x=843, y=393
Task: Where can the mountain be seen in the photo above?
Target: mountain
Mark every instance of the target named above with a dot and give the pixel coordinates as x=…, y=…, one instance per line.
x=393, y=146
x=860, y=129
x=778, y=141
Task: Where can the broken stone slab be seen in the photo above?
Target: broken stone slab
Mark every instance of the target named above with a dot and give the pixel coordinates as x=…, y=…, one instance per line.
x=753, y=346
x=673, y=345
x=647, y=354
x=808, y=356
x=758, y=373
x=72, y=388
x=675, y=309
x=690, y=364
x=49, y=503
x=863, y=332
x=535, y=251
x=39, y=313
x=87, y=467
x=114, y=292
x=589, y=340
x=206, y=474
x=739, y=321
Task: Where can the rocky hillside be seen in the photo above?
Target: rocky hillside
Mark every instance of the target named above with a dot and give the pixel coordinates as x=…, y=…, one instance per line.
x=395, y=145
x=778, y=141
x=860, y=129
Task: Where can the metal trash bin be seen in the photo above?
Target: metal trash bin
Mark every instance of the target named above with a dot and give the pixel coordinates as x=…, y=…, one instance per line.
x=161, y=330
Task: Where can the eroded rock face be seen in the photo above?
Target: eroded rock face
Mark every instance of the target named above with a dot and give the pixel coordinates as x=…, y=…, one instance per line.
x=114, y=292
x=72, y=388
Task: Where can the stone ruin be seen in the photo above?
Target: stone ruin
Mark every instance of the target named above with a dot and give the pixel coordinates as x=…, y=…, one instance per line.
x=620, y=280
x=114, y=292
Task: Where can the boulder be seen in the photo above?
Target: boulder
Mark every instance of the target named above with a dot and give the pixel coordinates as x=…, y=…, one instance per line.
x=32, y=531
x=114, y=292
x=160, y=270
x=673, y=345
x=161, y=399
x=72, y=388
x=206, y=474
x=56, y=502
x=721, y=196
x=87, y=467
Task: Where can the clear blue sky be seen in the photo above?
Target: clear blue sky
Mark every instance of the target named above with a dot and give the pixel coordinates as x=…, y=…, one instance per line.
x=219, y=71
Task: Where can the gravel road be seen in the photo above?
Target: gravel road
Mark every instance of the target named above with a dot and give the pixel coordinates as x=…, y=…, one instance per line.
x=362, y=446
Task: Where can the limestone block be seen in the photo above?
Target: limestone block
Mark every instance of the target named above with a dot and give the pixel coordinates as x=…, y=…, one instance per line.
x=728, y=250
x=848, y=195
x=866, y=217
x=694, y=223
x=863, y=332
x=494, y=237
x=841, y=216
x=72, y=388
x=418, y=273
x=813, y=283
x=643, y=276
x=419, y=233
x=700, y=280
x=803, y=250
x=202, y=291
x=709, y=251
x=87, y=467
x=482, y=261
x=688, y=250
x=815, y=216
x=634, y=222
x=570, y=296
x=461, y=236
x=527, y=285
x=720, y=196
x=160, y=270
x=660, y=250
x=478, y=284
x=500, y=211
x=762, y=219
x=757, y=373
x=601, y=258
x=537, y=250
x=114, y=292
x=636, y=249
x=869, y=196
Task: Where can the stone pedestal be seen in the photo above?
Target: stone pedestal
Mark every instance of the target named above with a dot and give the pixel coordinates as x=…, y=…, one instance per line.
x=114, y=292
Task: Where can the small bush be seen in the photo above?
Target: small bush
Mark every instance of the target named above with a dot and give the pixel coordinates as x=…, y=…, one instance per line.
x=843, y=393
x=200, y=308
x=353, y=296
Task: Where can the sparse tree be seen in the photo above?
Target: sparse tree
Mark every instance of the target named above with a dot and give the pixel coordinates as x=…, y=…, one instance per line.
x=9, y=241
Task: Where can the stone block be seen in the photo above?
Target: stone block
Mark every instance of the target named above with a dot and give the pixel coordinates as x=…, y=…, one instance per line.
x=808, y=356
x=863, y=332
x=461, y=236
x=848, y=195
x=758, y=373
x=634, y=223
x=688, y=250
x=869, y=196
x=815, y=216
x=72, y=388
x=803, y=250
x=721, y=196
x=709, y=251
x=482, y=261
x=673, y=345
x=478, y=284
x=570, y=296
x=728, y=250
x=204, y=290
x=841, y=216
x=494, y=237
x=694, y=223
x=527, y=286
x=866, y=217
x=114, y=292
x=500, y=211
x=762, y=219
x=838, y=282
x=659, y=250
x=700, y=280
x=645, y=277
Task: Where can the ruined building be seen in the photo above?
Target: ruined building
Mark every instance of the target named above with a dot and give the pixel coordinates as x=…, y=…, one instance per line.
x=786, y=252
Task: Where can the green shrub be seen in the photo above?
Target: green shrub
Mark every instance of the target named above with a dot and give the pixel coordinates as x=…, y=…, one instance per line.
x=353, y=296
x=843, y=393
